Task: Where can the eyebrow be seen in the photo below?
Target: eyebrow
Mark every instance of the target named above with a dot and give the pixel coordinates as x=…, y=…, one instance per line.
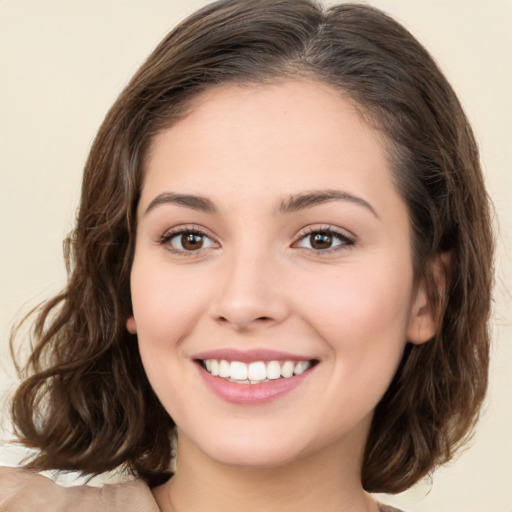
x=187, y=200
x=310, y=199
x=292, y=204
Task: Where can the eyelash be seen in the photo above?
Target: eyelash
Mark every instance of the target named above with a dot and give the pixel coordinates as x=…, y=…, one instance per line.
x=345, y=240
x=166, y=239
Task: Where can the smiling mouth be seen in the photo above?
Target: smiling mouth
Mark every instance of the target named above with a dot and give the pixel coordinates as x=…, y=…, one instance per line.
x=256, y=372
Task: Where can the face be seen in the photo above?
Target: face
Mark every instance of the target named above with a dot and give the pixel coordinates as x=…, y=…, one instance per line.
x=272, y=283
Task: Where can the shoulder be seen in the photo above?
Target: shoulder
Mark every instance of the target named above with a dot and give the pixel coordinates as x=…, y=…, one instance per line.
x=24, y=491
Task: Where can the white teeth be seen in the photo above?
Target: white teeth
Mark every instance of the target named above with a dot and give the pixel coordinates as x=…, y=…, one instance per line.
x=273, y=370
x=301, y=367
x=238, y=370
x=214, y=365
x=287, y=369
x=224, y=369
x=255, y=372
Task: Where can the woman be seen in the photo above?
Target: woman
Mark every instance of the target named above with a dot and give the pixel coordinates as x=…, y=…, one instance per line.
x=283, y=255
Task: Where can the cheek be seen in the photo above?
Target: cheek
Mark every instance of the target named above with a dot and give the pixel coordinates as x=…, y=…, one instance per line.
x=362, y=312
x=165, y=303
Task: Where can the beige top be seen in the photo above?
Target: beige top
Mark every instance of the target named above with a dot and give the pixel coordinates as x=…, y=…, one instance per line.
x=24, y=491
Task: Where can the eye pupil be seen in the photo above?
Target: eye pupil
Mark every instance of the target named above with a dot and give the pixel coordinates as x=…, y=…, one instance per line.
x=321, y=240
x=191, y=241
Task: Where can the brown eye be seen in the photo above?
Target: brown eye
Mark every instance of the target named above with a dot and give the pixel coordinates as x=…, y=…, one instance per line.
x=191, y=241
x=321, y=240
x=187, y=241
x=325, y=240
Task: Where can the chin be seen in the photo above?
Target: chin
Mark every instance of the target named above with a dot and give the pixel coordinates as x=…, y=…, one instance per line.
x=250, y=451
x=251, y=458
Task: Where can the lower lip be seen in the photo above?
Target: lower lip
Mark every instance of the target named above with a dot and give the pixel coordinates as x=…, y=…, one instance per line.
x=252, y=394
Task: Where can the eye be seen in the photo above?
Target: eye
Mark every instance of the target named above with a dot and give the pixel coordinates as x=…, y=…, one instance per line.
x=187, y=240
x=323, y=240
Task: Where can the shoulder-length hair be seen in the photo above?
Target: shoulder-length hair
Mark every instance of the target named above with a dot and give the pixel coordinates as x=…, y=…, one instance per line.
x=86, y=403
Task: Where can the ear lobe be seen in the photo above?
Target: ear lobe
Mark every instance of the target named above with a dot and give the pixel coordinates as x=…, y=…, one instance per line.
x=424, y=318
x=131, y=326
x=422, y=325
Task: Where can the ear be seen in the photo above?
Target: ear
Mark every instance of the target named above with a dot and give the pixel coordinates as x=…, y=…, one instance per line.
x=424, y=318
x=131, y=326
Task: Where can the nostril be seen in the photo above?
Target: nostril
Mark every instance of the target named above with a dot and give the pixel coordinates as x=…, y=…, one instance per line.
x=244, y=324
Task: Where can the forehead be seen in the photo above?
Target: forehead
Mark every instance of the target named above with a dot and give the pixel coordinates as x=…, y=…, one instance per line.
x=276, y=139
x=307, y=109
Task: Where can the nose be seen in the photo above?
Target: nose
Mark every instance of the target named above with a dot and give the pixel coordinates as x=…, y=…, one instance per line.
x=251, y=294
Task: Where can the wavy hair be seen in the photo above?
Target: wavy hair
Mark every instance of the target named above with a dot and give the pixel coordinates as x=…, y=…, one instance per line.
x=86, y=403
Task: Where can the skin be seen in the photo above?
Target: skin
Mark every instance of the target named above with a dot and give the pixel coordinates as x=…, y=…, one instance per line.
x=257, y=282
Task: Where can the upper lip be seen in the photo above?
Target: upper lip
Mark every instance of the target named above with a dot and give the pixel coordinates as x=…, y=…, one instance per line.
x=249, y=356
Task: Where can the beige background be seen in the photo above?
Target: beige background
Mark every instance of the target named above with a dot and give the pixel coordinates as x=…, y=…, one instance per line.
x=63, y=62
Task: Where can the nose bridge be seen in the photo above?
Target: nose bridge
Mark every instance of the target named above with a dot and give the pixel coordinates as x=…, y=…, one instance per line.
x=250, y=291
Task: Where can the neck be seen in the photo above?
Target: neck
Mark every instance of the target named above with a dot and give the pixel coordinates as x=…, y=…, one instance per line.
x=328, y=480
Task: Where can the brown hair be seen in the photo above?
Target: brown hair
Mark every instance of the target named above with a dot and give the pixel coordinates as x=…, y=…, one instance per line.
x=86, y=403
